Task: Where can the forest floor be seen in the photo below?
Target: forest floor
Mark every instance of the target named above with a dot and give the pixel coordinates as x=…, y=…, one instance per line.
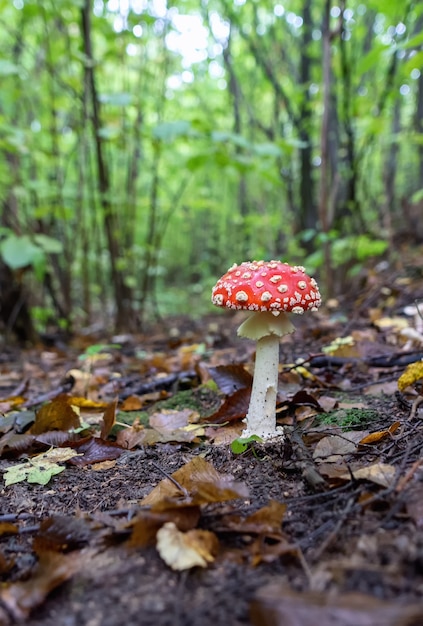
x=325, y=527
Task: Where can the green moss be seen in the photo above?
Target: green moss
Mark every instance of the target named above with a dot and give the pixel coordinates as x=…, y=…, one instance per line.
x=203, y=399
x=349, y=419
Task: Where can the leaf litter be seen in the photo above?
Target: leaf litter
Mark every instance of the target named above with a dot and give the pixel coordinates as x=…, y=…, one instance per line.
x=327, y=525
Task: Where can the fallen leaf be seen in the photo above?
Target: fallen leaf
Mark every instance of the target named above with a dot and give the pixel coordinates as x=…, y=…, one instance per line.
x=40, y=469
x=379, y=435
x=87, y=403
x=230, y=378
x=13, y=402
x=330, y=449
x=146, y=523
x=181, y=551
x=109, y=418
x=267, y=521
x=52, y=570
x=58, y=414
x=379, y=473
x=61, y=533
x=176, y=425
x=7, y=528
x=412, y=374
x=94, y=450
x=104, y=465
x=131, y=403
x=235, y=407
x=11, y=441
x=201, y=482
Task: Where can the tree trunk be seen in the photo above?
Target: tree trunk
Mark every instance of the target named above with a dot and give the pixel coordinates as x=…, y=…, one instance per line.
x=125, y=319
x=308, y=213
x=325, y=200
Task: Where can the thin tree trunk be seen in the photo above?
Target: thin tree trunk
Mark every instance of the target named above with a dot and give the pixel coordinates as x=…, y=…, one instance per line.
x=325, y=208
x=308, y=214
x=124, y=316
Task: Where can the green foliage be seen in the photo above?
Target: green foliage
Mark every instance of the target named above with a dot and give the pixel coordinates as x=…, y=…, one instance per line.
x=18, y=251
x=352, y=250
x=211, y=148
x=348, y=419
x=96, y=349
x=242, y=444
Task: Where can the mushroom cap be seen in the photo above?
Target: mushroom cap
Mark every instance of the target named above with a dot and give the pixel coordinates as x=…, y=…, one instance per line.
x=267, y=286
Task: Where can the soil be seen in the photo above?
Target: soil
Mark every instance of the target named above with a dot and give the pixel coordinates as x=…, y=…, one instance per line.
x=354, y=536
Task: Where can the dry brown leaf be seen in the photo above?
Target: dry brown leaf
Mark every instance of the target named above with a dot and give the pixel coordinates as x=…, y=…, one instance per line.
x=52, y=570
x=103, y=465
x=379, y=473
x=267, y=521
x=202, y=484
x=109, y=418
x=224, y=435
x=146, y=523
x=131, y=403
x=181, y=551
x=276, y=605
x=328, y=403
x=58, y=414
x=7, y=528
x=331, y=449
x=95, y=450
x=169, y=422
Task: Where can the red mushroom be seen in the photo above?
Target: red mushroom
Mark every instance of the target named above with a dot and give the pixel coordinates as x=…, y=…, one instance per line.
x=270, y=290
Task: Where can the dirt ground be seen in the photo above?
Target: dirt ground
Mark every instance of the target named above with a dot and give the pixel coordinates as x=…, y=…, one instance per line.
x=348, y=537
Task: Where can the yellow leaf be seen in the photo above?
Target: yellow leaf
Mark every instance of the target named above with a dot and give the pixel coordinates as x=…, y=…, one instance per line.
x=379, y=435
x=412, y=374
x=181, y=551
x=86, y=403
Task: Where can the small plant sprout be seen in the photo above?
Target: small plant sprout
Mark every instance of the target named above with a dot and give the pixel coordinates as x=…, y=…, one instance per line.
x=268, y=290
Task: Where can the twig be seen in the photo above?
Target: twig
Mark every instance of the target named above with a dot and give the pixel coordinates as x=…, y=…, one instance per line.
x=332, y=535
x=172, y=480
x=415, y=406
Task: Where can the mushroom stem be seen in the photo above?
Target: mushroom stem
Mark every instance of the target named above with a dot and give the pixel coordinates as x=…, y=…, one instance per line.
x=261, y=416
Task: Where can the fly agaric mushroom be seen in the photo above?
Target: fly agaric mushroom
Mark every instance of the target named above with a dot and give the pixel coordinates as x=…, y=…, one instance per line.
x=269, y=290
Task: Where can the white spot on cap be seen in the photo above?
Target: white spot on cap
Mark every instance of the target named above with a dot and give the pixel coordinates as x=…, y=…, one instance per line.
x=298, y=310
x=302, y=284
x=276, y=278
x=218, y=299
x=241, y=296
x=283, y=288
x=259, y=283
x=266, y=296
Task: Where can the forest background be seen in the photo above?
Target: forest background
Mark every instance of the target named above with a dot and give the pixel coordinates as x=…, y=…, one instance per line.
x=148, y=145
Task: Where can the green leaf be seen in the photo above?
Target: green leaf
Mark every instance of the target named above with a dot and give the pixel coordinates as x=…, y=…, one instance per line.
x=116, y=99
x=417, y=196
x=267, y=150
x=41, y=476
x=18, y=251
x=168, y=131
x=48, y=244
x=227, y=137
x=7, y=68
x=40, y=468
x=33, y=474
x=240, y=445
